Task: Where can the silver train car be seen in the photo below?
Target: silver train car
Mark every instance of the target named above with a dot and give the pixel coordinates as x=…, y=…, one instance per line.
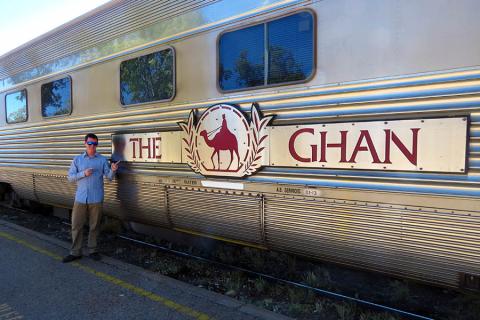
x=342, y=130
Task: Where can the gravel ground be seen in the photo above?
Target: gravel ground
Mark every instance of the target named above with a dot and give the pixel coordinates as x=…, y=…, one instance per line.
x=434, y=302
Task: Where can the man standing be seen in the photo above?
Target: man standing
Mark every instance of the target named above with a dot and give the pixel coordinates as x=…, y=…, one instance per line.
x=88, y=170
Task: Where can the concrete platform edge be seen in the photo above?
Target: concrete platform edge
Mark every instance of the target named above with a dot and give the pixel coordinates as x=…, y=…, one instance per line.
x=214, y=297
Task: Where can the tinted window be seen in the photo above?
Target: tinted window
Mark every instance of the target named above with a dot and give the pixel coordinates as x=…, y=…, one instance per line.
x=290, y=47
x=16, y=106
x=242, y=58
x=57, y=98
x=147, y=78
x=289, y=53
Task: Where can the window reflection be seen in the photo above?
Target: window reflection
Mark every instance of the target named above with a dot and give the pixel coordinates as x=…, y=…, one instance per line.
x=16, y=106
x=290, y=46
x=147, y=78
x=242, y=62
x=289, y=50
x=56, y=98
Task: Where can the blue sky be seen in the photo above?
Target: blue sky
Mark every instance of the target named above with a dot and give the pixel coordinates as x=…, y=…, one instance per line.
x=23, y=20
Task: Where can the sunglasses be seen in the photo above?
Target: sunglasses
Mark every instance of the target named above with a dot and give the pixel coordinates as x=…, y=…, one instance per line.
x=92, y=143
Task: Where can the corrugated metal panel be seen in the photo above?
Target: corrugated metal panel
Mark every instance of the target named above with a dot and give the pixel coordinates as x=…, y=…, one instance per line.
x=54, y=189
x=216, y=212
x=130, y=200
x=107, y=22
x=44, y=145
x=21, y=182
x=136, y=201
x=433, y=246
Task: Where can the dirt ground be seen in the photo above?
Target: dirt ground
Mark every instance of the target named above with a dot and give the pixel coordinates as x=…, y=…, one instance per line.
x=296, y=302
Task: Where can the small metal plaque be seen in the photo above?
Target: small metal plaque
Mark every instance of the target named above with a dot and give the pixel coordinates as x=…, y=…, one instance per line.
x=147, y=147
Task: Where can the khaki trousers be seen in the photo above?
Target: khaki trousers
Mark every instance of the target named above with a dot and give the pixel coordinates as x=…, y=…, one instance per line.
x=80, y=213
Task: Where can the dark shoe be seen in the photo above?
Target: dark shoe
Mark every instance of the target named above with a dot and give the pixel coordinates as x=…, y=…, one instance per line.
x=95, y=256
x=70, y=258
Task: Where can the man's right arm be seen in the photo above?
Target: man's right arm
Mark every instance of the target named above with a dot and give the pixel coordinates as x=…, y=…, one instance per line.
x=74, y=174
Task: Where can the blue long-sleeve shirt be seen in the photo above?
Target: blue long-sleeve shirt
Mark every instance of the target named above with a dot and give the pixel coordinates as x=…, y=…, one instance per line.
x=89, y=189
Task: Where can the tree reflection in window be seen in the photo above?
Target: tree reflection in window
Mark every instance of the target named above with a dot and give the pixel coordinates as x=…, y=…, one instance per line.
x=16, y=106
x=289, y=50
x=57, y=98
x=147, y=78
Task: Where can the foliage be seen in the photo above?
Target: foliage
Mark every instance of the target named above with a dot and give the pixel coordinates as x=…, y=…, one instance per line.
x=147, y=78
x=377, y=316
x=235, y=281
x=260, y=285
x=311, y=279
x=56, y=98
x=346, y=311
x=399, y=291
x=16, y=106
x=282, y=67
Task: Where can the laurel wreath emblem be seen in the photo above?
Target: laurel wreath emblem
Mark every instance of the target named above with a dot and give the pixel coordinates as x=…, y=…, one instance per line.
x=257, y=126
x=192, y=158
x=254, y=155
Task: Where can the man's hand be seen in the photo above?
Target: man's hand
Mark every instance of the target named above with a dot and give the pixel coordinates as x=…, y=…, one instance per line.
x=88, y=172
x=115, y=166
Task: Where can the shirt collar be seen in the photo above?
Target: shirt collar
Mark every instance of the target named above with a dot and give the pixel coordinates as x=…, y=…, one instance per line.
x=86, y=155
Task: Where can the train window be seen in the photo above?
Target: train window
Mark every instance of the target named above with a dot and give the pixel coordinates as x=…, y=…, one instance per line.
x=276, y=52
x=57, y=97
x=16, y=106
x=148, y=78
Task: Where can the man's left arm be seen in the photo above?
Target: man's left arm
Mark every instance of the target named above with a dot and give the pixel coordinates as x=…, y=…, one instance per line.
x=107, y=171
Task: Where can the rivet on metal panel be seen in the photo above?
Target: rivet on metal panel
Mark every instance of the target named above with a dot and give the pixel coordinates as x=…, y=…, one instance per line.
x=353, y=124
x=422, y=121
x=385, y=122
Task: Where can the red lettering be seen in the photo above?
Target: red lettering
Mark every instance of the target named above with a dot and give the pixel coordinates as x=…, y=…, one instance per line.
x=342, y=145
x=291, y=146
x=144, y=147
x=157, y=147
x=133, y=146
x=411, y=156
x=364, y=134
x=387, y=146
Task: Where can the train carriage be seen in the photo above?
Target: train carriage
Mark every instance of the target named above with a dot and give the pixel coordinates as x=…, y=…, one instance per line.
x=342, y=130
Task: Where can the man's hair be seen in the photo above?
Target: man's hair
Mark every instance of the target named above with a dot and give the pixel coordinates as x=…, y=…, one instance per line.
x=91, y=135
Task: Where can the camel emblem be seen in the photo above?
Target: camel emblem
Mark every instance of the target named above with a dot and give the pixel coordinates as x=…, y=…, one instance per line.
x=223, y=142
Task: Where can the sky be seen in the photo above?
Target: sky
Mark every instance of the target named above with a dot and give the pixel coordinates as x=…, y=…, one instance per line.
x=24, y=20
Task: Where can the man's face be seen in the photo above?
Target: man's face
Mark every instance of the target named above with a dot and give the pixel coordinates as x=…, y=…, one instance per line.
x=91, y=146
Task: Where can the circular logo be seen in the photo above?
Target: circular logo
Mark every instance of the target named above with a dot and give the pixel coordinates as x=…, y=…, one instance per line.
x=222, y=140
x=224, y=143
